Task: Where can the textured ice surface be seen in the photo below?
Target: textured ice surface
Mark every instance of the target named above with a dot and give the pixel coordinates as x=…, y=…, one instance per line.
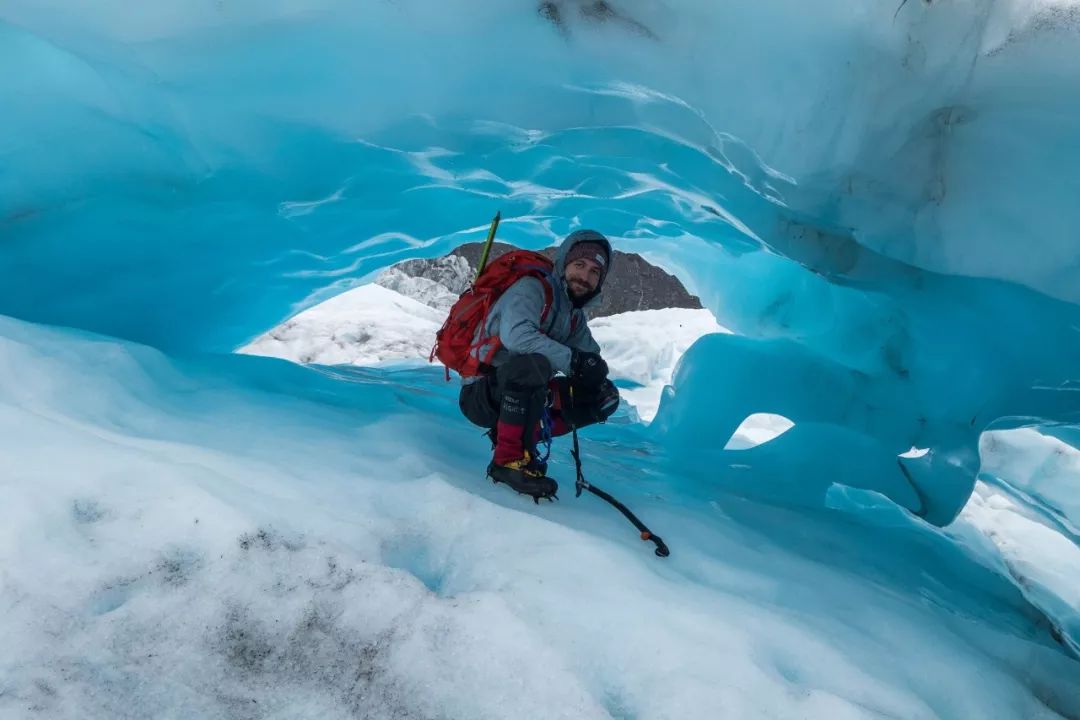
x=877, y=200
x=244, y=537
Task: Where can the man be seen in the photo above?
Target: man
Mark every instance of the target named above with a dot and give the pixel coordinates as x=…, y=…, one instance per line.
x=522, y=400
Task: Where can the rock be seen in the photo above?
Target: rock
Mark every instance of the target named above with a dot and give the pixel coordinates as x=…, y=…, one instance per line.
x=634, y=283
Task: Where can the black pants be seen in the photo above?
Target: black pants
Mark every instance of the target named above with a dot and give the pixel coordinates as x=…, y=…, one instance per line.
x=518, y=390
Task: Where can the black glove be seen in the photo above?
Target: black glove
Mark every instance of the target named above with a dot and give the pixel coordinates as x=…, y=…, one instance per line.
x=600, y=402
x=588, y=369
x=607, y=400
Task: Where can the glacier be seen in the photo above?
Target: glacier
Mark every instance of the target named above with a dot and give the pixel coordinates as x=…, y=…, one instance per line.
x=876, y=200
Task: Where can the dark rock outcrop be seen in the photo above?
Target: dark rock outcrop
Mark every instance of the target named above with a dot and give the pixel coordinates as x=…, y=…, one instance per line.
x=634, y=284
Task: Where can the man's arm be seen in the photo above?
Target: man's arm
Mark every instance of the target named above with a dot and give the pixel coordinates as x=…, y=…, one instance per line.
x=581, y=338
x=519, y=324
x=602, y=399
x=587, y=365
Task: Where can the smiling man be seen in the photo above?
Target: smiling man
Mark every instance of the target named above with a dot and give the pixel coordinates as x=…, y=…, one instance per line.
x=521, y=399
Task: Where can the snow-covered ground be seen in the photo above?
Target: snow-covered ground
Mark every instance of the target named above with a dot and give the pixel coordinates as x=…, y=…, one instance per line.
x=365, y=326
x=643, y=347
x=241, y=537
x=372, y=324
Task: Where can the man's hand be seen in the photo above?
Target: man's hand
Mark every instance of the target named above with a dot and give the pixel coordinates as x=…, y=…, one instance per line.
x=589, y=369
x=607, y=400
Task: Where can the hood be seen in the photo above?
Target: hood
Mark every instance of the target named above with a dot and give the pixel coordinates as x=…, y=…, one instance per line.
x=573, y=239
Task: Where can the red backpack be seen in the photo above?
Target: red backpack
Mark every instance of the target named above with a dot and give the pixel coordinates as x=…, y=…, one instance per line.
x=457, y=339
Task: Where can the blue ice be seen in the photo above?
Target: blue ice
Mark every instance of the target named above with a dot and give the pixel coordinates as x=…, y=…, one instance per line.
x=877, y=200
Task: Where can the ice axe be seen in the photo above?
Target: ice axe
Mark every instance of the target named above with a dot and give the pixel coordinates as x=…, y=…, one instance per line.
x=487, y=244
x=583, y=484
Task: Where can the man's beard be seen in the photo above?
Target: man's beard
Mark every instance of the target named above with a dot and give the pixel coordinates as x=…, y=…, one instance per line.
x=578, y=290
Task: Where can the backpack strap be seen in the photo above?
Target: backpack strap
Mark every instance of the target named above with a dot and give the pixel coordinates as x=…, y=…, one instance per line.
x=549, y=297
x=484, y=363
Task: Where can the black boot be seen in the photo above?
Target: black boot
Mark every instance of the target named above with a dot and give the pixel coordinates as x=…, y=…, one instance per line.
x=525, y=478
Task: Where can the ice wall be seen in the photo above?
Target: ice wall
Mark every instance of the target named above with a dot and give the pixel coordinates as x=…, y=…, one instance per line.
x=877, y=198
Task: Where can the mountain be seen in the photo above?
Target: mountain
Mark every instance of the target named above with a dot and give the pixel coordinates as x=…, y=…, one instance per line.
x=633, y=285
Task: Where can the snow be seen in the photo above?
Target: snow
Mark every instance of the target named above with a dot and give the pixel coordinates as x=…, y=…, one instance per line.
x=1026, y=505
x=1044, y=561
x=367, y=325
x=643, y=347
x=371, y=324
x=758, y=429
x=237, y=536
x=1040, y=466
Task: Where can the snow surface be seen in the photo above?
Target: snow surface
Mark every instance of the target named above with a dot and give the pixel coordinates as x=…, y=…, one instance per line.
x=367, y=325
x=237, y=536
x=643, y=349
x=371, y=324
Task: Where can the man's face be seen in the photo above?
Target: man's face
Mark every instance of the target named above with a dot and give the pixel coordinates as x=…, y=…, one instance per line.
x=582, y=277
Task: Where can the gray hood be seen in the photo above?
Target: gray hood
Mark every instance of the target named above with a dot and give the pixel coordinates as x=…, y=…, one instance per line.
x=579, y=236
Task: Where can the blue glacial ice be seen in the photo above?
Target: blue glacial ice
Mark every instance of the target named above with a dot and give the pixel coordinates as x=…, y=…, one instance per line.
x=878, y=201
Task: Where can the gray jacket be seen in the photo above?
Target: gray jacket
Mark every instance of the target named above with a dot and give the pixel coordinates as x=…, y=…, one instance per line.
x=515, y=317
